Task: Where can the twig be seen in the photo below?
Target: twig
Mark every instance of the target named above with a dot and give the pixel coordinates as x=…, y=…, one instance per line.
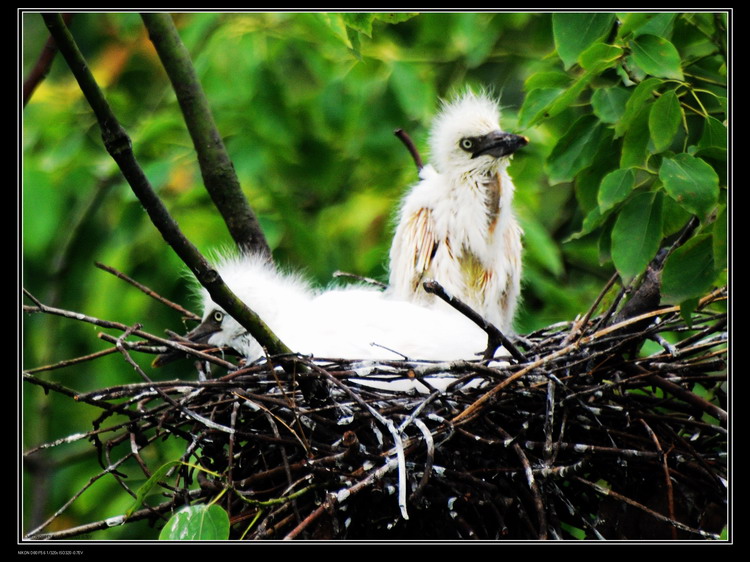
x=575, y=331
x=145, y=513
x=150, y=292
x=533, y=486
x=40, y=307
x=200, y=419
x=342, y=495
x=69, y=362
x=495, y=337
x=667, y=477
x=651, y=512
x=689, y=397
x=388, y=424
x=42, y=66
x=406, y=139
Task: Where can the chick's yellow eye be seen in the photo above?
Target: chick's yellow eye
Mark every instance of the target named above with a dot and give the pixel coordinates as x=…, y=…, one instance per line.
x=467, y=144
x=218, y=316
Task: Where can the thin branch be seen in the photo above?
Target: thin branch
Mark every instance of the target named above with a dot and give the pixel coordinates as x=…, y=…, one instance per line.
x=150, y=292
x=611, y=493
x=69, y=362
x=495, y=337
x=577, y=328
x=119, y=146
x=145, y=513
x=42, y=66
x=406, y=139
x=217, y=170
x=40, y=307
x=667, y=478
x=689, y=397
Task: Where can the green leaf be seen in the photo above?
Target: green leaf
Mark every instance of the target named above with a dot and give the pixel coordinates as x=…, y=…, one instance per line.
x=576, y=149
x=144, y=490
x=642, y=95
x=637, y=233
x=335, y=23
x=609, y=103
x=689, y=271
x=675, y=217
x=394, y=17
x=664, y=120
x=691, y=182
x=713, y=141
x=657, y=24
x=551, y=79
x=575, y=32
x=197, y=522
x=592, y=221
x=359, y=21
x=615, y=187
x=630, y=22
x=158, y=475
x=599, y=57
x=536, y=105
x=569, y=97
x=656, y=56
x=635, y=141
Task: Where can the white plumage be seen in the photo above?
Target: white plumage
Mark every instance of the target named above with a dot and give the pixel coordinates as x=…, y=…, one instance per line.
x=359, y=322
x=456, y=225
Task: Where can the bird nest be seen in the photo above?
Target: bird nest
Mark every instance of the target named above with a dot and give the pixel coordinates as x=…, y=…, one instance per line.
x=580, y=434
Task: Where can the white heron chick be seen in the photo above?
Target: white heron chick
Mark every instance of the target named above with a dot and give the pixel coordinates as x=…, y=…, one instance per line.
x=456, y=225
x=357, y=323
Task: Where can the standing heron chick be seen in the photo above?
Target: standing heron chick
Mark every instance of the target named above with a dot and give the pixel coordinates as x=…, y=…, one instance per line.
x=456, y=225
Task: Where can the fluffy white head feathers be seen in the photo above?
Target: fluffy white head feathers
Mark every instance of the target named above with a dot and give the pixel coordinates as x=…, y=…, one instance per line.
x=460, y=123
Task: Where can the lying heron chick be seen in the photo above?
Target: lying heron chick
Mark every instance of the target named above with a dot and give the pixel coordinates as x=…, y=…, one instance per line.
x=356, y=322
x=456, y=225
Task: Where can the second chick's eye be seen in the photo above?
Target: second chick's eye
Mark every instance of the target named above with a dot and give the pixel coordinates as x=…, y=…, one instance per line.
x=467, y=144
x=218, y=316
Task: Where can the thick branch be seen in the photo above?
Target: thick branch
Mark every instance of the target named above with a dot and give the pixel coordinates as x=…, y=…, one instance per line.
x=118, y=144
x=218, y=173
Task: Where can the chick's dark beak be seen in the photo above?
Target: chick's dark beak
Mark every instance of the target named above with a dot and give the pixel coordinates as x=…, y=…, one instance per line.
x=499, y=144
x=199, y=334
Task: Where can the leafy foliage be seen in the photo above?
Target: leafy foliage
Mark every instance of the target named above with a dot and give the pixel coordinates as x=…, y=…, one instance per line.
x=648, y=95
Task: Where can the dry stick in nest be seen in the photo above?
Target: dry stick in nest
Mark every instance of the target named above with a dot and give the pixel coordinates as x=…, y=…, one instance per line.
x=473, y=410
x=495, y=338
x=43, y=308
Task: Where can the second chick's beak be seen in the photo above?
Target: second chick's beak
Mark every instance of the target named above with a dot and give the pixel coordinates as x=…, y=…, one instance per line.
x=199, y=334
x=498, y=144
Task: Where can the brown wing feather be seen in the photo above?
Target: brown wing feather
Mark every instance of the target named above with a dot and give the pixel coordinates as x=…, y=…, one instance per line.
x=422, y=240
